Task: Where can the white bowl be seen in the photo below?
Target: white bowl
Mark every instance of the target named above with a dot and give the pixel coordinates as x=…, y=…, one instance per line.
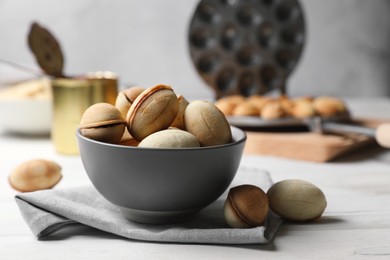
x=26, y=116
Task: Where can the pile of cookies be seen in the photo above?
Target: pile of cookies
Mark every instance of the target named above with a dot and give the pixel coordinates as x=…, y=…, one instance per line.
x=156, y=117
x=267, y=107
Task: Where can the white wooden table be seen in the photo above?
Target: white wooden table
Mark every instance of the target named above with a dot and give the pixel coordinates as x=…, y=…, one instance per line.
x=356, y=223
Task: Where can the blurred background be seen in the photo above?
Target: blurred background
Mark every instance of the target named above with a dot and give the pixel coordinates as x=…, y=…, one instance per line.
x=347, y=50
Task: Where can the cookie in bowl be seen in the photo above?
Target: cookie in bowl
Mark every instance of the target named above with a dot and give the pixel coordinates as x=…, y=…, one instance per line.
x=170, y=138
x=102, y=122
x=153, y=110
x=126, y=98
x=205, y=121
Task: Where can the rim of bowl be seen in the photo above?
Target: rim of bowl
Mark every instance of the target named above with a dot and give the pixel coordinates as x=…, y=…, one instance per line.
x=233, y=143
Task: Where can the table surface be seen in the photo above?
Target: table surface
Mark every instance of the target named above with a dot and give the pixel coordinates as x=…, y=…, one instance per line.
x=356, y=223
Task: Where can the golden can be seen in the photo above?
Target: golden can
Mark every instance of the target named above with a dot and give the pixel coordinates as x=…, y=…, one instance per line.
x=71, y=97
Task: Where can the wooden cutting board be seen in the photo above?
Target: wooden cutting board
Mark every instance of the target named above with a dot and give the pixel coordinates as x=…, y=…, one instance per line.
x=307, y=146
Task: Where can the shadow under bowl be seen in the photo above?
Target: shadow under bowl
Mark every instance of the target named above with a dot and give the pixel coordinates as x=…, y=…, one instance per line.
x=161, y=186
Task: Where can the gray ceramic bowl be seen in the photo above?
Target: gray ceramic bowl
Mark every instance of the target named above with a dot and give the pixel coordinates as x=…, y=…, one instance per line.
x=161, y=186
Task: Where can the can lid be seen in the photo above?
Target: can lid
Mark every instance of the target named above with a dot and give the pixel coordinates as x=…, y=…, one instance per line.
x=46, y=49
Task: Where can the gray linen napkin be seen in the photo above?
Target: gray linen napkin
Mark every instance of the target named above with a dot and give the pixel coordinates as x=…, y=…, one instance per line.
x=48, y=211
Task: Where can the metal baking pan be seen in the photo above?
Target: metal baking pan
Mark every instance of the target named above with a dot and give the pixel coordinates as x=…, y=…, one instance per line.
x=246, y=46
x=342, y=124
